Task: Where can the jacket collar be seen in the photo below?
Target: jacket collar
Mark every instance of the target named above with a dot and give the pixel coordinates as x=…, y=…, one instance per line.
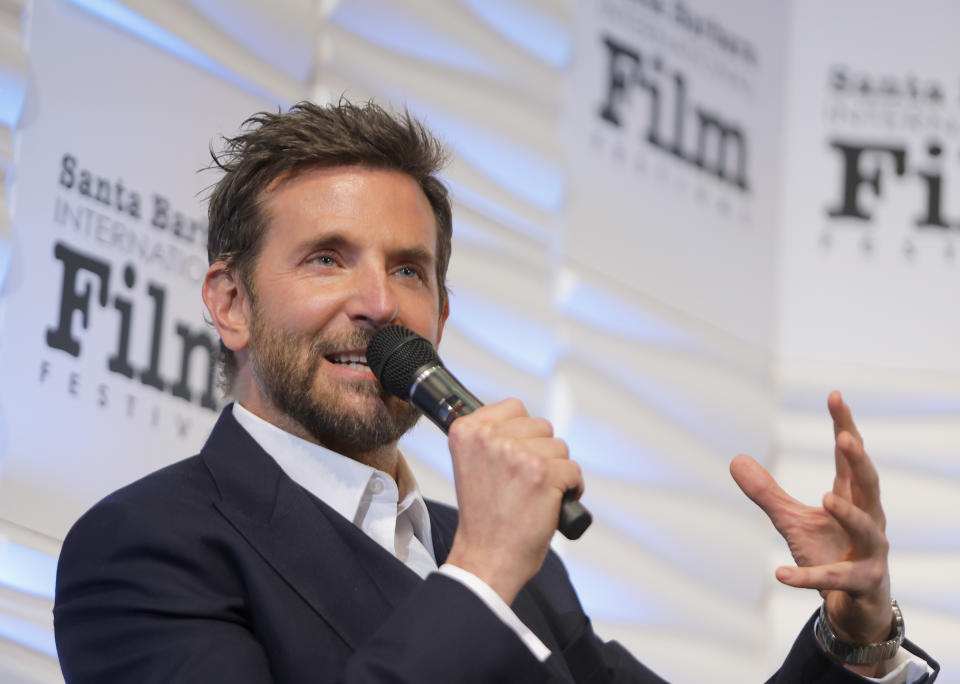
x=306, y=542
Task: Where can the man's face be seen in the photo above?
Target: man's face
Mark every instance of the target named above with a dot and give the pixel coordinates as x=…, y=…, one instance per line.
x=348, y=251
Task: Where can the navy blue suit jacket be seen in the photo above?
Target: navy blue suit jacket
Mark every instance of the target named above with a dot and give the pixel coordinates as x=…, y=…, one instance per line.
x=220, y=568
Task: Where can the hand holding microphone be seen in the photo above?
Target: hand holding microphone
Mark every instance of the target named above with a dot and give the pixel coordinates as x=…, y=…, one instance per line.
x=408, y=366
x=509, y=468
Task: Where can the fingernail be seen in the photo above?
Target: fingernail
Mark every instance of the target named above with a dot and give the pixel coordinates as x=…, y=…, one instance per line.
x=784, y=574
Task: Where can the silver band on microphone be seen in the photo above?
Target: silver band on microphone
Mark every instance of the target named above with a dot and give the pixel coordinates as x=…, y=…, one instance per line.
x=439, y=395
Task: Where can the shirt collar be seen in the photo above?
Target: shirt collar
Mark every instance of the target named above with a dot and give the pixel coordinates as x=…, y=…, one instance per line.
x=346, y=485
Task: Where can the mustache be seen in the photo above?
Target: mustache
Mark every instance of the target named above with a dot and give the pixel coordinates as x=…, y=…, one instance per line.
x=327, y=344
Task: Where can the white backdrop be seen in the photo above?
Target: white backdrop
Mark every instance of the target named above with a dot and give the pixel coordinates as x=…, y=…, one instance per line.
x=670, y=290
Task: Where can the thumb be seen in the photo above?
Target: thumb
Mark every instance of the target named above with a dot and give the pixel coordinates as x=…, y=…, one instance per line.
x=760, y=487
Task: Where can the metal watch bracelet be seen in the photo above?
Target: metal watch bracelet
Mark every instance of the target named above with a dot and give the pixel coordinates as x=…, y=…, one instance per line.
x=860, y=654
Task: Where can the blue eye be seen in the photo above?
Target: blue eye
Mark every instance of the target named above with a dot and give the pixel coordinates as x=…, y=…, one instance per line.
x=408, y=272
x=325, y=260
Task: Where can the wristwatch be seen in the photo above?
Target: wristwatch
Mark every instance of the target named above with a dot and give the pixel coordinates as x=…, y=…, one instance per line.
x=860, y=654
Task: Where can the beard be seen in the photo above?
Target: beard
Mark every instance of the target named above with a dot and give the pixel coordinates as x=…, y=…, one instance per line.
x=285, y=367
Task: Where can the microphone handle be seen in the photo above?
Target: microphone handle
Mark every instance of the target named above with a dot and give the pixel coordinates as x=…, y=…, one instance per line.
x=442, y=399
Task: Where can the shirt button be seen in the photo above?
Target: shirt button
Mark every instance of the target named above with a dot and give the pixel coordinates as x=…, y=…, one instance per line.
x=376, y=486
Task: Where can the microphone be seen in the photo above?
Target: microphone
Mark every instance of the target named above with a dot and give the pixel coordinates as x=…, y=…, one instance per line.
x=408, y=366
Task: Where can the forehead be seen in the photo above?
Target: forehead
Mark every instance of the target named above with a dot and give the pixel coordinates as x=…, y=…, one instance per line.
x=363, y=202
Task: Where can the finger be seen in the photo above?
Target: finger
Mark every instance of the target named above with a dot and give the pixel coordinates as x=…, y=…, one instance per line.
x=853, y=577
x=842, y=422
x=842, y=416
x=571, y=478
x=545, y=461
x=523, y=427
x=763, y=490
x=867, y=537
x=864, y=480
x=498, y=412
x=552, y=448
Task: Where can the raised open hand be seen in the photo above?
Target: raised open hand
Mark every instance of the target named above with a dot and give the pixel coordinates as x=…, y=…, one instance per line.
x=840, y=548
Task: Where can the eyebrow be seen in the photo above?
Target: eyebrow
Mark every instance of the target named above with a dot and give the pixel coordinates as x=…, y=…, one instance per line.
x=416, y=255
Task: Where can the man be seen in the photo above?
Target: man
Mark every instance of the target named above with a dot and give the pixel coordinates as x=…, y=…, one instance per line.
x=296, y=548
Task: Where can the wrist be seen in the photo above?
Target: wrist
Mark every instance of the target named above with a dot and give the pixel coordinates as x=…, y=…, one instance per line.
x=486, y=569
x=860, y=653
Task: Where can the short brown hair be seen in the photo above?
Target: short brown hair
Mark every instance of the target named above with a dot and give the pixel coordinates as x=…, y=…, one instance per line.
x=308, y=136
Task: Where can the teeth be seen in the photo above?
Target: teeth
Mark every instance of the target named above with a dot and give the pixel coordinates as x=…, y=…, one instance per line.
x=352, y=359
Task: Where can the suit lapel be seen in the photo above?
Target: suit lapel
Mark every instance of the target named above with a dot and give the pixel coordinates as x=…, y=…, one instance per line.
x=443, y=525
x=350, y=581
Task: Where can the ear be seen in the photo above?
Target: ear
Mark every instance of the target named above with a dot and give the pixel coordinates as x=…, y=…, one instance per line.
x=229, y=305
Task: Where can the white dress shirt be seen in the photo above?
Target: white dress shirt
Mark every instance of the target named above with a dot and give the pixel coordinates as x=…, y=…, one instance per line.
x=370, y=499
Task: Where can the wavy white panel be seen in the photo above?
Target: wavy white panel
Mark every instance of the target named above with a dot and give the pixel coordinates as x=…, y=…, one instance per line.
x=280, y=33
x=539, y=29
x=447, y=34
x=630, y=583
x=19, y=665
x=181, y=30
x=711, y=400
x=13, y=88
x=917, y=586
x=27, y=571
x=640, y=439
x=485, y=224
x=892, y=391
x=360, y=62
x=704, y=541
x=502, y=302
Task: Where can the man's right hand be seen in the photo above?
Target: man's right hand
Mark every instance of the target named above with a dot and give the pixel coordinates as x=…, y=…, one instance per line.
x=510, y=474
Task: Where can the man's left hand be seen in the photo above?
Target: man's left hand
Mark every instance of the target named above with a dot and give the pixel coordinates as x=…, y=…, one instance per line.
x=840, y=548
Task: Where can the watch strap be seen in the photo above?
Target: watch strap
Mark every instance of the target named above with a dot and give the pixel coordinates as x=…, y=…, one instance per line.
x=860, y=654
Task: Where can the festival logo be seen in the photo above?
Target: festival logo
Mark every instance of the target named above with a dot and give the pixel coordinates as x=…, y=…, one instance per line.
x=887, y=138
x=119, y=253
x=669, y=73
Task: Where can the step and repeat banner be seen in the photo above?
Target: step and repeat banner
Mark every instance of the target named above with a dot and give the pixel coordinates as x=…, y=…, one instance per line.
x=674, y=111
x=668, y=307
x=869, y=272
x=717, y=205
x=106, y=359
x=871, y=205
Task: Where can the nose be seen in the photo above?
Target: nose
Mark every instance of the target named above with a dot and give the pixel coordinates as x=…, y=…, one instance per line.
x=372, y=303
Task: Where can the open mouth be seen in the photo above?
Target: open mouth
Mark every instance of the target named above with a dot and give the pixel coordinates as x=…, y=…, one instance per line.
x=351, y=359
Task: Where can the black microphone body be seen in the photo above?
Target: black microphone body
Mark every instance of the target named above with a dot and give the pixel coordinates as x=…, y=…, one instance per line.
x=408, y=366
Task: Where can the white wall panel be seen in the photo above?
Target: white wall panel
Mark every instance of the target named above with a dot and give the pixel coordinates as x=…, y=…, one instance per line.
x=640, y=300
x=868, y=272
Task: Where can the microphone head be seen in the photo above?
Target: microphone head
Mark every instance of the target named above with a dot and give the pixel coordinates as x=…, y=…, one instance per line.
x=395, y=354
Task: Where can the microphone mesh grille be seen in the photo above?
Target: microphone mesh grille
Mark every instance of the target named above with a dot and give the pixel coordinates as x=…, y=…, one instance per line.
x=395, y=354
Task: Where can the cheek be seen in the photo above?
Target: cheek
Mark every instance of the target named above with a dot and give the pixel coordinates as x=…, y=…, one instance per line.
x=304, y=308
x=425, y=322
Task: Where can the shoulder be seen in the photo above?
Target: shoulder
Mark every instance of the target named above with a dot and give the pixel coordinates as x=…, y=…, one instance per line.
x=177, y=486
x=148, y=518
x=172, y=493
